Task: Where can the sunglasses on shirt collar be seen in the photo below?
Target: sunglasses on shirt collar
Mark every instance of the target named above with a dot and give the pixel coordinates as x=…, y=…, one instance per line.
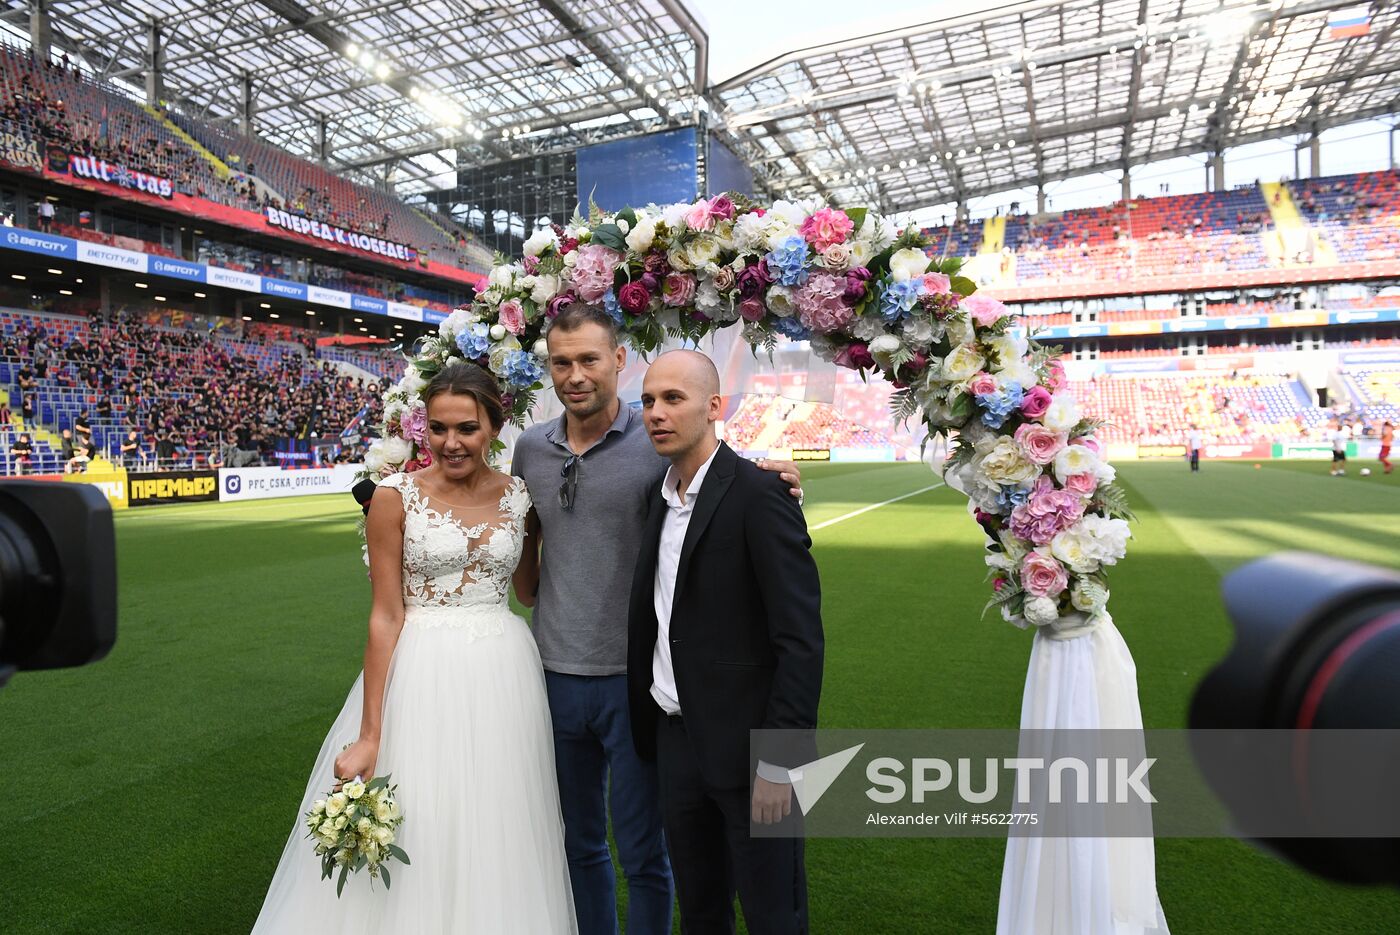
x=568, y=490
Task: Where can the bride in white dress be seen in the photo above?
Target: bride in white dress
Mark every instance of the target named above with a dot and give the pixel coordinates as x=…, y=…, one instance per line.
x=451, y=703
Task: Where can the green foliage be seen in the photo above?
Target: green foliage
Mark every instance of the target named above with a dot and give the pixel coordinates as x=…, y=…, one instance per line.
x=857, y=216
x=964, y=286
x=611, y=236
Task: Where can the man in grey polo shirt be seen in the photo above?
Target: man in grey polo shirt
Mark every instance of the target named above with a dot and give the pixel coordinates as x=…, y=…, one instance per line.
x=589, y=473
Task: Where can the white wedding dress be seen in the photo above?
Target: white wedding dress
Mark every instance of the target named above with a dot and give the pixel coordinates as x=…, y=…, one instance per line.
x=468, y=740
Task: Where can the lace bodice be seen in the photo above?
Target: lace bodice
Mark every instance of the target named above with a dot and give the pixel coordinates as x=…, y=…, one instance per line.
x=456, y=557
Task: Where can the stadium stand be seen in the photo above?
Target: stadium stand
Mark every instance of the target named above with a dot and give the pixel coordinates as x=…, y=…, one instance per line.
x=188, y=392
x=57, y=103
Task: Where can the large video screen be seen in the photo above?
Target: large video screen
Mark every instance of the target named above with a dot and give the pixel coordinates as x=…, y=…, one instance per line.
x=658, y=168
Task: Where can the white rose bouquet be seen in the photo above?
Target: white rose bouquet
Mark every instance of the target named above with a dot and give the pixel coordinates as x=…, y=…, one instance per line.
x=354, y=829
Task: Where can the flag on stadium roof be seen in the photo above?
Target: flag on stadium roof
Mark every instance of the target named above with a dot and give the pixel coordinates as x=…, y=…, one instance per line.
x=1349, y=22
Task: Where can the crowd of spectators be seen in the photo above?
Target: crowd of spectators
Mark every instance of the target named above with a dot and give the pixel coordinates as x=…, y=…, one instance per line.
x=165, y=398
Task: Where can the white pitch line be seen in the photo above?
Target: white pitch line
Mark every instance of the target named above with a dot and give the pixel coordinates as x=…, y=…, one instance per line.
x=874, y=506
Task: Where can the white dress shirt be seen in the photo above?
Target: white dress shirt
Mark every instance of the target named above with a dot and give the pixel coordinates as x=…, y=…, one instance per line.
x=668, y=559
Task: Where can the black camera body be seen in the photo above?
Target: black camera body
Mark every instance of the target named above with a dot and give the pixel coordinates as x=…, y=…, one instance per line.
x=58, y=576
x=1317, y=650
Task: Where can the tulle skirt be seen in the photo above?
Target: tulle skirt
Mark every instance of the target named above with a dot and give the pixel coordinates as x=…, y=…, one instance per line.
x=468, y=740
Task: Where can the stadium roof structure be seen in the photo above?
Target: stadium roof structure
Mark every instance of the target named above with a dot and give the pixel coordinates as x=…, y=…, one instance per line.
x=1014, y=96
x=395, y=82
x=987, y=98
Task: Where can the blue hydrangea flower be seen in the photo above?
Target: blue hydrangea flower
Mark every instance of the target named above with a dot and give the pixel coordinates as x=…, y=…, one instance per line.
x=474, y=341
x=521, y=369
x=611, y=306
x=787, y=263
x=792, y=328
x=998, y=407
x=899, y=299
x=1010, y=497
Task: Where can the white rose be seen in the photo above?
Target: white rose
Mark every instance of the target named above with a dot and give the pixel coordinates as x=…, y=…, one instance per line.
x=501, y=277
x=791, y=214
x=497, y=356
x=394, y=410
x=1041, y=611
x=497, y=332
x=363, y=825
x=571, y=258
x=622, y=225
x=383, y=836
x=395, y=450
x=1019, y=373
x=319, y=808
x=1107, y=538
x=908, y=263
x=702, y=251
x=539, y=240
x=1062, y=415
x=679, y=259
x=327, y=830
x=336, y=804
x=643, y=235
x=546, y=287
x=1105, y=473
x=1073, y=548
x=374, y=458
x=961, y=364
x=382, y=810
x=1075, y=459
x=541, y=348
x=780, y=301
x=1008, y=349
x=778, y=230
x=1001, y=461
x=883, y=348
x=354, y=790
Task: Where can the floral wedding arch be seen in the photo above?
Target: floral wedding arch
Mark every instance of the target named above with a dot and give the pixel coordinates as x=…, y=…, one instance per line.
x=867, y=297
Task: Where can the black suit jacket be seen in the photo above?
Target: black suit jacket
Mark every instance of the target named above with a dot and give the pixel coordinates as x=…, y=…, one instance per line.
x=746, y=630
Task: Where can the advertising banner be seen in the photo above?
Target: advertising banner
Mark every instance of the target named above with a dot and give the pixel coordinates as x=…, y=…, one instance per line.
x=339, y=235
x=111, y=481
x=147, y=489
x=265, y=483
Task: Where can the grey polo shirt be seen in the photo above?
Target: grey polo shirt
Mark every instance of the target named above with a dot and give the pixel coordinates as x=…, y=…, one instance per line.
x=590, y=552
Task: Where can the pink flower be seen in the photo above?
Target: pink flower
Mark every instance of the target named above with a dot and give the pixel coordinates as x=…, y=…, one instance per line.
x=554, y=306
x=678, y=290
x=512, y=316
x=1090, y=442
x=414, y=425
x=1042, y=576
x=634, y=297
x=826, y=226
x=751, y=309
x=982, y=384
x=721, y=208
x=725, y=278
x=593, y=271
x=937, y=284
x=821, y=304
x=1056, y=378
x=1047, y=513
x=856, y=284
x=531, y=264
x=984, y=310
x=1039, y=444
x=1035, y=402
x=855, y=356
x=1082, y=484
x=699, y=218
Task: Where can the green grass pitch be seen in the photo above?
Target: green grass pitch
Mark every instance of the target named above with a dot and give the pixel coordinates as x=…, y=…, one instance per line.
x=152, y=792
